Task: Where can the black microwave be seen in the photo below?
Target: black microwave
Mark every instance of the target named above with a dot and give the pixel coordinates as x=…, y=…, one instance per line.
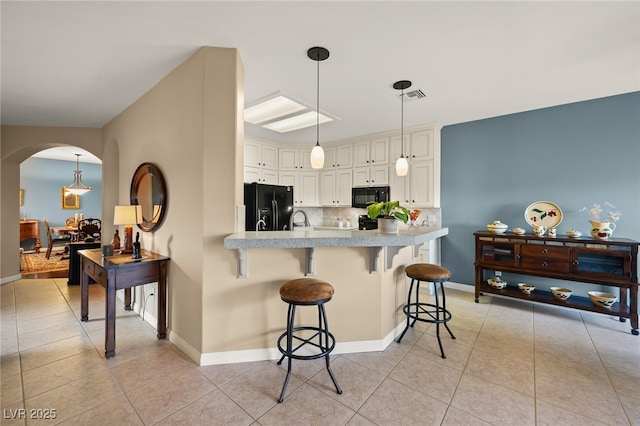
x=362, y=197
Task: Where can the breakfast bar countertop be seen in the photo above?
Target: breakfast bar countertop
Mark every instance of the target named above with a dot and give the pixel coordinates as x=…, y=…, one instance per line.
x=310, y=239
x=327, y=238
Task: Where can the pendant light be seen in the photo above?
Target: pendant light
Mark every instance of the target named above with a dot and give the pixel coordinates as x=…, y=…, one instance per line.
x=77, y=187
x=317, y=154
x=402, y=165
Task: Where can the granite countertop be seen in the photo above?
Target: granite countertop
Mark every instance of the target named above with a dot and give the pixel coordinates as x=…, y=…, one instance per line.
x=332, y=238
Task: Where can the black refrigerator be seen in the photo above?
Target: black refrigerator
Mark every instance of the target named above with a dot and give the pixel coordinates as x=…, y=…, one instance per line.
x=268, y=207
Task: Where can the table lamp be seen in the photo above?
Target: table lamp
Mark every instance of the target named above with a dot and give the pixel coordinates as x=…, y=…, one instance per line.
x=127, y=216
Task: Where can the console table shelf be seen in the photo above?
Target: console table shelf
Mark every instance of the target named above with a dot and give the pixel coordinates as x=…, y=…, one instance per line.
x=612, y=262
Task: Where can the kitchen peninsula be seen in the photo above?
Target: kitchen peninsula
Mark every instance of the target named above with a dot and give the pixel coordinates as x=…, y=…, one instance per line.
x=310, y=238
x=365, y=267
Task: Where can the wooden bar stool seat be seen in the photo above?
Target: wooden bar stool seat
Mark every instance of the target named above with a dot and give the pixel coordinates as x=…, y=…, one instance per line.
x=427, y=312
x=317, y=341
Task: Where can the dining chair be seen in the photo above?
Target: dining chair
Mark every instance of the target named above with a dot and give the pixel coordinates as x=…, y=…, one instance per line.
x=90, y=229
x=51, y=241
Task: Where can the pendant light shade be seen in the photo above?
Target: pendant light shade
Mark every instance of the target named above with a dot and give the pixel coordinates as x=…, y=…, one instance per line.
x=77, y=187
x=402, y=165
x=317, y=153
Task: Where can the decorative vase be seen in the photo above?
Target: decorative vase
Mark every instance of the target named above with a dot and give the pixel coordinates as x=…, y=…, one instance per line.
x=602, y=230
x=387, y=225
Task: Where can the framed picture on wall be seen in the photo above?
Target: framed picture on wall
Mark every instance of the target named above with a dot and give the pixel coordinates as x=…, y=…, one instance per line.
x=70, y=201
x=21, y=196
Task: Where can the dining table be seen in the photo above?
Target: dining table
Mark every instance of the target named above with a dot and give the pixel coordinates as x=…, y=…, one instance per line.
x=71, y=231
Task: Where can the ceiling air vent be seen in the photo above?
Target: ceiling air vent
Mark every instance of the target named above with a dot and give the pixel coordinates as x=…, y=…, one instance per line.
x=414, y=95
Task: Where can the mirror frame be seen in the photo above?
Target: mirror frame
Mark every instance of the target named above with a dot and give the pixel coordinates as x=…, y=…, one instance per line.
x=144, y=170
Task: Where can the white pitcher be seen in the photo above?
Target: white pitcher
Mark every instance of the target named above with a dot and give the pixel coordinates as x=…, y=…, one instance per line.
x=539, y=230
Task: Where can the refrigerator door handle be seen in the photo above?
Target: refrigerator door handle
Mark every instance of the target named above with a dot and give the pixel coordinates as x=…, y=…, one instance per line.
x=274, y=215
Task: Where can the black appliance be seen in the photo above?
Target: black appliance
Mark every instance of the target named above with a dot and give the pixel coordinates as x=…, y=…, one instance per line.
x=268, y=207
x=365, y=223
x=362, y=197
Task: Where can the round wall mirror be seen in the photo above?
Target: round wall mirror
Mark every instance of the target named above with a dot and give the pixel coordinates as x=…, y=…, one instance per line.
x=148, y=190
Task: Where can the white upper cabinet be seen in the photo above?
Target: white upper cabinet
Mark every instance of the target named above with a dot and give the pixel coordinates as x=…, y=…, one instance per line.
x=292, y=158
x=335, y=188
x=371, y=152
x=421, y=145
x=260, y=162
x=306, y=187
x=260, y=154
x=338, y=157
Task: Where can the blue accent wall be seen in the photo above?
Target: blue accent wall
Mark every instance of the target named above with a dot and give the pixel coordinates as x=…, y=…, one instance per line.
x=42, y=181
x=573, y=155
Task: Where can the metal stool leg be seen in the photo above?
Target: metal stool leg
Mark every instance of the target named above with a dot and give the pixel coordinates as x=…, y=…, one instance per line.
x=323, y=318
x=291, y=315
x=407, y=310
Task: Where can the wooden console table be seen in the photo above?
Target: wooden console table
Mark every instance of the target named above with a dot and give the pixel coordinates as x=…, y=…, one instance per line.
x=612, y=262
x=122, y=272
x=30, y=228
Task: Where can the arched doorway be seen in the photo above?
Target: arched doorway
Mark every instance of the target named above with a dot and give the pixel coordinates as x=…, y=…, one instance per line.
x=20, y=143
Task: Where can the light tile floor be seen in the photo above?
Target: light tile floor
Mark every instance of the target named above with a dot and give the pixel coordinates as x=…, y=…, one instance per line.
x=512, y=363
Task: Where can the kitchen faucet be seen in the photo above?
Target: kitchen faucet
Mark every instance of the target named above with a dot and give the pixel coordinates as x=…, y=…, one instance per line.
x=261, y=221
x=306, y=218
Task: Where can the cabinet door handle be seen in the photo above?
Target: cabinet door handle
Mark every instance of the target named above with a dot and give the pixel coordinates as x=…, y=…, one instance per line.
x=545, y=264
x=517, y=256
x=545, y=250
x=372, y=181
x=576, y=263
x=373, y=161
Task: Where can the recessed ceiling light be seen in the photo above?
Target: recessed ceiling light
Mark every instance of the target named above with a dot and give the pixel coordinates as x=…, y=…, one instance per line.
x=271, y=109
x=296, y=122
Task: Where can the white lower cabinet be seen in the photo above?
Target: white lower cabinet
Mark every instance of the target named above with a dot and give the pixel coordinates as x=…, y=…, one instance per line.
x=306, y=187
x=335, y=188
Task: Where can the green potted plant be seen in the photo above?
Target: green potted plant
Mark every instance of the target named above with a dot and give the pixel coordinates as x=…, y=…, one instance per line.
x=388, y=213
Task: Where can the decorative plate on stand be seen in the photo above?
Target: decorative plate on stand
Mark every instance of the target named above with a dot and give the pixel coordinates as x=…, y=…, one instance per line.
x=543, y=213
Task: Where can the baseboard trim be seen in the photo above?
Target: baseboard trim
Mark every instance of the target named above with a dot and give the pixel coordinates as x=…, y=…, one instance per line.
x=7, y=280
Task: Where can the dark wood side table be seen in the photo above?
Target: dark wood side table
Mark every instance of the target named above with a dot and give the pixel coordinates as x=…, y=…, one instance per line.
x=122, y=272
x=30, y=228
x=74, y=260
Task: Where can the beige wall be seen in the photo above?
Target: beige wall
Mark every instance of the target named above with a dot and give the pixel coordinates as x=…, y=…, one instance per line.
x=17, y=144
x=188, y=126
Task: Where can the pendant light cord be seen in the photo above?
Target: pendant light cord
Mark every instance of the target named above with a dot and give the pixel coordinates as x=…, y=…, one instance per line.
x=318, y=103
x=402, y=123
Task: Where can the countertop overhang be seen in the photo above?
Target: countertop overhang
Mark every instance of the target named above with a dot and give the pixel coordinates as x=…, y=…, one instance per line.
x=310, y=239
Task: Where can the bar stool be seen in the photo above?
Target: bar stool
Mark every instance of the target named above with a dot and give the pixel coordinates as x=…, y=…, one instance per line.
x=306, y=292
x=432, y=313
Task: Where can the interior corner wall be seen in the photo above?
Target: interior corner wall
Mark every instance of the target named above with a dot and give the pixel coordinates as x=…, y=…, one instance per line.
x=223, y=165
x=165, y=127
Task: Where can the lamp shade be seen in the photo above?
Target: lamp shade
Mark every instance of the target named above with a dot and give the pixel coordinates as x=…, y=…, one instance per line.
x=127, y=215
x=402, y=166
x=317, y=157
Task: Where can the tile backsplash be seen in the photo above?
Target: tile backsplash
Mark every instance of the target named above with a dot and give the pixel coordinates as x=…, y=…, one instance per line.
x=328, y=216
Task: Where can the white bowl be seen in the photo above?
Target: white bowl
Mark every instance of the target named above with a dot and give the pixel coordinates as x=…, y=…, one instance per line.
x=574, y=234
x=497, y=227
x=561, y=293
x=526, y=288
x=600, y=298
x=518, y=231
x=497, y=283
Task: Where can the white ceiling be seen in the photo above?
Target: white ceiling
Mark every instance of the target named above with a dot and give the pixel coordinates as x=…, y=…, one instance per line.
x=80, y=63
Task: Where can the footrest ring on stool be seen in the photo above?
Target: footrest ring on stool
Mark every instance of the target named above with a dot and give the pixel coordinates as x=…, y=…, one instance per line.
x=432, y=313
x=324, y=348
